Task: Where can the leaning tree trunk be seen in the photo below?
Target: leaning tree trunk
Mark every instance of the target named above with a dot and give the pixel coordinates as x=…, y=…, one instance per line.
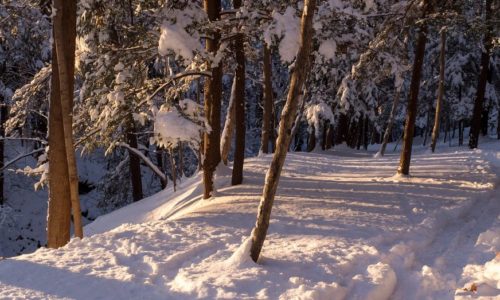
x=390, y=123
x=298, y=77
x=404, y=163
x=268, y=101
x=227, y=132
x=213, y=95
x=481, y=86
x=435, y=130
x=239, y=145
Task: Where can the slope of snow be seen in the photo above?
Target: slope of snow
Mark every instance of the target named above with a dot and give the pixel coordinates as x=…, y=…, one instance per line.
x=343, y=227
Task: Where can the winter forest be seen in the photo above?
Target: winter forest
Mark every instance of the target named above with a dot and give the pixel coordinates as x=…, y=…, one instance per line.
x=250, y=149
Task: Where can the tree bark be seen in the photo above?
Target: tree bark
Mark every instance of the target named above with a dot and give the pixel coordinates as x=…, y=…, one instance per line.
x=59, y=207
x=3, y=120
x=481, y=86
x=268, y=101
x=159, y=163
x=390, y=123
x=437, y=115
x=213, y=95
x=298, y=77
x=227, y=133
x=405, y=159
x=64, y=29
x=239, y=147
x=311, y=141
x=134, y=164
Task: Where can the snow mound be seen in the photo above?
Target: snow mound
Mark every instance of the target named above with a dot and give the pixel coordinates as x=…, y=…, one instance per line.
x=342, y=228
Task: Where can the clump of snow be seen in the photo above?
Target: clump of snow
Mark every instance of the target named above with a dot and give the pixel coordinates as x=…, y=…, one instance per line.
x=328, y=48
x=285, y=28
x=176, y=39
x=241, y=256
x=170, y=127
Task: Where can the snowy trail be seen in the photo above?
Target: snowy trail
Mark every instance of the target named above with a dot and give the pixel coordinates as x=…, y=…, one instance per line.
x=343, y=227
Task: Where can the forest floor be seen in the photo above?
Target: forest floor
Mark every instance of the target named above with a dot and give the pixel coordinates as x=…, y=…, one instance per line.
x=343, y=227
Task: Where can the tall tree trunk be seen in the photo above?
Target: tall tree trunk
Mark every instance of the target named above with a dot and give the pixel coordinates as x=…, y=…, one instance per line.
x=267, y=115
x=213, y=95
x=134, y=164
x=59, y=208
x=227, y=133
x=481, y=86
x=239, y=146
x=298, y=77
x=64, y=29
x=404, y=164
x=390, y=123
x=3, y=119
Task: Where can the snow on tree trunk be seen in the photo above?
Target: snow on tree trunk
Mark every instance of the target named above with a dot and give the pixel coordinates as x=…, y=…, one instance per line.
x=239, y=103
x=298, y=77
x=213, y=95
x=227, y=132
x=481, y=86
x=404, y=163
x=268, y=101
x=437, y=116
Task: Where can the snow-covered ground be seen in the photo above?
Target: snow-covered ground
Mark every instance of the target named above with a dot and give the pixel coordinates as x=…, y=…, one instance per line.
x=343, y=227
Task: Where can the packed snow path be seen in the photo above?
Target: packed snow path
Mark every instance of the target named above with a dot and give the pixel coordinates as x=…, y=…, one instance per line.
x=343, y=227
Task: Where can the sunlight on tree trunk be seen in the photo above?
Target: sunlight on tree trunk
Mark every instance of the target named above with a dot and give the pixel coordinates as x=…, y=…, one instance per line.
x=298, y=77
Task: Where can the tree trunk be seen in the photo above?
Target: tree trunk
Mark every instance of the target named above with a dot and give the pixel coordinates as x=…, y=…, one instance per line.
x=311, y=141
x=404, y=164
x=59, y=207
x=365, y=133
x=159, y=163
x=64, y=29
x=296, y=123
x=498, y=120
x=481, y=86
x=173, y=168
x=268, y=101
x=298, y=77
x=134, y=164
x=239, y=146
x=342, y=129
x=181, y=160
x=213, y=95
x=3, y=119
x=329, y=137
x=227, y=133
x=390, y=123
